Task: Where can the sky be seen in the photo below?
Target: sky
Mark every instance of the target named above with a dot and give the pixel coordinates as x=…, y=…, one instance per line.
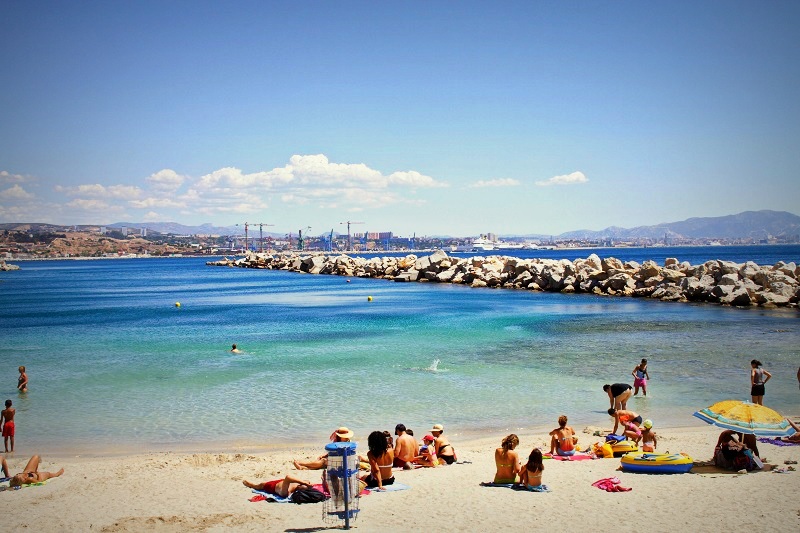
x=426, y=118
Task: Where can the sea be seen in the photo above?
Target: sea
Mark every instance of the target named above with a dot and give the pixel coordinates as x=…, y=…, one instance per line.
x=133, y=355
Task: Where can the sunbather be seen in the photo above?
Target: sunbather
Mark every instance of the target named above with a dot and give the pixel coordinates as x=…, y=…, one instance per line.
x=30, y=474
x=279, y=487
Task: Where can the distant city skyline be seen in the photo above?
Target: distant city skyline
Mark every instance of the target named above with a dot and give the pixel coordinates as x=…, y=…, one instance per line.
x=445, y=118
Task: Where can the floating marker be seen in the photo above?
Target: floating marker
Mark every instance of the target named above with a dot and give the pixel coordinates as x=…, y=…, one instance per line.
x=369, y=298
x=177, y=304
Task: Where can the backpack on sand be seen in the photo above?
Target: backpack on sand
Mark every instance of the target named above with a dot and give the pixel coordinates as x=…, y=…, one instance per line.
x=307, y=496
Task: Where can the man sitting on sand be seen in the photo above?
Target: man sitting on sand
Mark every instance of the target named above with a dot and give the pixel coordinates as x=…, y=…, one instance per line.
x=280, y=487
x=405, y=448
x=630, y=421
x=30, y=474
x=563, y=439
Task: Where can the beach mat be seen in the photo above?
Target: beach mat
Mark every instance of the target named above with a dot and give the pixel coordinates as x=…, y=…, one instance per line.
x=777, y=442
x=264, y=496
x=715, y=470
x=394, y=487
x=576, y=457
x=516, y=486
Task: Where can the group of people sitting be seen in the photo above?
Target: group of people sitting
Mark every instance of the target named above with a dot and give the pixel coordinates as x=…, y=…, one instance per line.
x=384, y=453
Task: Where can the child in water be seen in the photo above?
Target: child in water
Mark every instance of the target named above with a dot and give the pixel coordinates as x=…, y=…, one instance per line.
x=649, y=441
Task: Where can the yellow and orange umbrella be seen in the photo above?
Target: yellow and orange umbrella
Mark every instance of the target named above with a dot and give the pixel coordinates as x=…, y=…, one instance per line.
x=746, y=417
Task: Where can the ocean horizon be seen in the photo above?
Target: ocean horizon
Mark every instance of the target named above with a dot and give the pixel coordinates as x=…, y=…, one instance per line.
x=114, y=364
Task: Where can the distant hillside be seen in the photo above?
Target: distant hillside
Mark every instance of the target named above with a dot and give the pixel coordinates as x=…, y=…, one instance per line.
x=750, y=224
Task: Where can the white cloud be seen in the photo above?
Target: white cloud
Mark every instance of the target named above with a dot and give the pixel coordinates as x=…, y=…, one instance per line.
x=14, y=193
x=499, y=182
x=95, y=190
x=152, y=216
x=151, y=202
x=166, y=180
x=566, y=179
x=7, y=177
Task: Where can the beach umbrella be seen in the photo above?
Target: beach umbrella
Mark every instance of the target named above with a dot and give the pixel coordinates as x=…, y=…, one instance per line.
x=746, y=417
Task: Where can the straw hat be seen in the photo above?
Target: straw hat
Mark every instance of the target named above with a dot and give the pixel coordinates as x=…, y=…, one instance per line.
x=438, y=428
x=343, y=433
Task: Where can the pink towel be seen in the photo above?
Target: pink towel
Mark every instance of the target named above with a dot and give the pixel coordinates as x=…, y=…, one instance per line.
x=610, y=484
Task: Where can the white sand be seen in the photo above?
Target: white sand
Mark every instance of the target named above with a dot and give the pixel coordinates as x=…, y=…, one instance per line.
x=203, y=492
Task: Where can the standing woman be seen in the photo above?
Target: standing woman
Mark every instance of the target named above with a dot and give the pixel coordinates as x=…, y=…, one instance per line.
x=758, y=378
x=640, y=377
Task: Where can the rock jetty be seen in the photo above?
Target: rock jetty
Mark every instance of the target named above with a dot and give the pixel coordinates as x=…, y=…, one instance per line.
x=5, y=266
x=715, y=281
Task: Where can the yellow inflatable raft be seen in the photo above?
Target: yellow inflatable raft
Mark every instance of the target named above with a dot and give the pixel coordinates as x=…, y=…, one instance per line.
x=656, y=463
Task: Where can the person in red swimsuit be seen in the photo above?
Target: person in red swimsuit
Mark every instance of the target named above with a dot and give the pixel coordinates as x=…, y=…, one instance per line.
x=7, y=425
x=279, y=487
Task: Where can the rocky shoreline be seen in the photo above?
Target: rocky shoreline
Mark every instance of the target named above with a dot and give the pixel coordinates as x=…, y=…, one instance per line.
x=716, y=281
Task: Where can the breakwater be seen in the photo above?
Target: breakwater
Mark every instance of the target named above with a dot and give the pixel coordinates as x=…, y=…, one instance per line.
x=715, y=281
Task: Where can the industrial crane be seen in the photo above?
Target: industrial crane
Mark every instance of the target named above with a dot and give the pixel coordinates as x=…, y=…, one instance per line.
x=349, y=240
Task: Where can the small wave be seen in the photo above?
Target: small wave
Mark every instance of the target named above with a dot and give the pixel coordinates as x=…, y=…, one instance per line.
x=434, y=367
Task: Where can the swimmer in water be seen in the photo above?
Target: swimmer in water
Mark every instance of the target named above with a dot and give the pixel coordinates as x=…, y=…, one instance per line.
x=234, y=349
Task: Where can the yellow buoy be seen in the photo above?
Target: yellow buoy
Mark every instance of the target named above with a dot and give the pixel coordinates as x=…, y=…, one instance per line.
x=177, y=304
x=369, y=298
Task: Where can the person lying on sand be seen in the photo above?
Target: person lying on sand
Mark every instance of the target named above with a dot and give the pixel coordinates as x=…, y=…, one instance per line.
x=280, y=487
x=796, y=436
x=30, y=474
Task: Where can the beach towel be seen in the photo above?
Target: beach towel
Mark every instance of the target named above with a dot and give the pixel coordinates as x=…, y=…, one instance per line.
x=576, y=457
x=516, y=486
x=610, y=484
x=262, y=496
x=394, y=487
x=777, y=442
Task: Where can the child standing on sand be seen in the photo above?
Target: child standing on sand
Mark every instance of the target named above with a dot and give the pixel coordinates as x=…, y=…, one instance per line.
x=7, y=424
x=649, y=441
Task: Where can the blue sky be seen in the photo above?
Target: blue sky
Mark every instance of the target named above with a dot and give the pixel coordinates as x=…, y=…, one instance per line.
x=431, y=118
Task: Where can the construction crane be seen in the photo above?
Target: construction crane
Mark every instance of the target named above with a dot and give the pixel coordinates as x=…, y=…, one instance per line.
x=261, y=235
x=300, y=239
x=245, y=235
x=349, y=239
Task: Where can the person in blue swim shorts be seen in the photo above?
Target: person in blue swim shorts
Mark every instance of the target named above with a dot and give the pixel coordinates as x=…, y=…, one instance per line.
x=563, y=439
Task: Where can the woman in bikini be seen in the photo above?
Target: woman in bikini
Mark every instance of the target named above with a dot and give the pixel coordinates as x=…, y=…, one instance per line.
x=30, y=474
x=507, y=460
x=640, y=377
x=563, y=439
x=531, y=475
x=381, y=458
x=444, y=450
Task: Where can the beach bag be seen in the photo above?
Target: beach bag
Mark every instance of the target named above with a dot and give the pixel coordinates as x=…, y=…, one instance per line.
x=307, y=496
x=613, y=439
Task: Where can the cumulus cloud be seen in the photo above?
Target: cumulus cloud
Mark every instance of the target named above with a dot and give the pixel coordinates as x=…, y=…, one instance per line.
x=305, y=180
x=499, y=182
x=151, y=202
x=566, y=179
x=166, y=180
x=96, y=190
x=7, y=177
x=15, y=193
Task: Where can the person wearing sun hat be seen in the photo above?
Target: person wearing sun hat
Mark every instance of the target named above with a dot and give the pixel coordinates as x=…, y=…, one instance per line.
x=341, y=434
x=444, y=450
x=649, y=441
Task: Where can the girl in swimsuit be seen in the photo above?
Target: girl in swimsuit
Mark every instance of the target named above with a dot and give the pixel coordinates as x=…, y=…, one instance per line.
x=381, y=458
x=531, y=475
x=563, y=438
x=640, y=377
x=507, y=460
x=444, y=450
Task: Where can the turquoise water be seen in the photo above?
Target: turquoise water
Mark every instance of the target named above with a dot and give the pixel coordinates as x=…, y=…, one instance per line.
x=115, y=365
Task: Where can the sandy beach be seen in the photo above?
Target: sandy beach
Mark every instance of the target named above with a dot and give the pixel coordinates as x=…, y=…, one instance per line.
x=175, y=491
